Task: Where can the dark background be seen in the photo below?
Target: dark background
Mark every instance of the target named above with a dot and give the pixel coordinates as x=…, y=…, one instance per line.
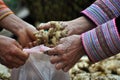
x=47, y=10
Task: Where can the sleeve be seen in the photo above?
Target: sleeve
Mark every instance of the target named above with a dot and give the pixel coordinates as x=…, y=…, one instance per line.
x=102, y=10
x=4, y=10
x=102, y=41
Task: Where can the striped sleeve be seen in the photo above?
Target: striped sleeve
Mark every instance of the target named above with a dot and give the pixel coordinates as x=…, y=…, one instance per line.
x=102, y=41
x=102, y=10
x=4, y=10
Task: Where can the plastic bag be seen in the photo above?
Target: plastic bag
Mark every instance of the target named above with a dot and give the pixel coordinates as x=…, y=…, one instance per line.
x=38, y=67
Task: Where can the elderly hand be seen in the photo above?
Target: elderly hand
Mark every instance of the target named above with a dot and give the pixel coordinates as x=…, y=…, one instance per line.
x=67, y=53
x=20, y=28
x=11, y=54
x=76, y=26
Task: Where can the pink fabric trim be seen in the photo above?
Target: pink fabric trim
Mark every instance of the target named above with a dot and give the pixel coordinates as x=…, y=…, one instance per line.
x=88, y=15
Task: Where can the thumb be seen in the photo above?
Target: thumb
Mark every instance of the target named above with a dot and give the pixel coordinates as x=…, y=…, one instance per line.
x=50, y=52
x=44, y=26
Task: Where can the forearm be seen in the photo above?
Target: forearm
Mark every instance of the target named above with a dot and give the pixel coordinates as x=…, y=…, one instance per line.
x=4, y=11
x=9, y=20
x=102, y=10
x=102, y=41
x=84, y=23
x=13, y=24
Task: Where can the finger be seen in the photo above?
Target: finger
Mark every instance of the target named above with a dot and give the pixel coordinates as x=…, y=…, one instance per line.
x=44, y=26
x=58, y=50
x=55, y=59
x=18, y=45
x=67, y=68
x=21, y=55
x=8, y=63
x=60, y=65
x=14, y=60
x=12, y=65
x=30, y=45
x=63, y=24
x=69, y=33
x=61, y=40
x=35, y=43
x=50, y=52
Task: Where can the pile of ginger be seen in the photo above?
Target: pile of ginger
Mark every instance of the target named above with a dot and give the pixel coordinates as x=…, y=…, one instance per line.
x=51, y=36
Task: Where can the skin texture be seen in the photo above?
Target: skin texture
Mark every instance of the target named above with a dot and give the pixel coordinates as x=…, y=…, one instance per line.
x=20, y=28
x=76, y=26
x=67, y=53
x=11, y=54
x=70, y=49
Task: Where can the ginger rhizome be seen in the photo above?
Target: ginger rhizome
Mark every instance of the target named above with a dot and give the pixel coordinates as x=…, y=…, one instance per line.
x=51, y=36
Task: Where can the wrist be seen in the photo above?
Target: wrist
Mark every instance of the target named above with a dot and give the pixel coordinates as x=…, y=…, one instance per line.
x=13, y=24
x=82, y=46
x=81, y=25
x=90, y=23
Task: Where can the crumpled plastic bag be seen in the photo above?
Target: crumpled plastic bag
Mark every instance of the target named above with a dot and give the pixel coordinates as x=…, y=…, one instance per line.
x=38, y=67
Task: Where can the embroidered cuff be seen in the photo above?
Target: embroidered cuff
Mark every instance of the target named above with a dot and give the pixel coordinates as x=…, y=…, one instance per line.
x=103, y=10
x=102, y=42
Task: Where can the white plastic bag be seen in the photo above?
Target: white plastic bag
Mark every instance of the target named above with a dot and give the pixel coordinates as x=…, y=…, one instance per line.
x=38, y=67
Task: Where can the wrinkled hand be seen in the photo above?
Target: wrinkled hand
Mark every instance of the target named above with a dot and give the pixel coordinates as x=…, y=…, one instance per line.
x=20, y=28
x=11, y=54
x=67, y=53
x=76, y=26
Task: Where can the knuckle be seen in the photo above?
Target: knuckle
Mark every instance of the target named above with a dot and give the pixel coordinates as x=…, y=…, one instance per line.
x=12, y=51
x=65, y=58
x=13, y=41
x=60, y=50
x=9, y=58
x=52, y=60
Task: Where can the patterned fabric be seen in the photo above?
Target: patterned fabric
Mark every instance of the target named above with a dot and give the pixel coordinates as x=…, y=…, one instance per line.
x=103, y=10
x=102, y=42
x=4, y=10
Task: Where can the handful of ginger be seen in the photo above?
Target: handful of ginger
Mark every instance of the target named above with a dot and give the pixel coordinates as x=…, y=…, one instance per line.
x=51, y=36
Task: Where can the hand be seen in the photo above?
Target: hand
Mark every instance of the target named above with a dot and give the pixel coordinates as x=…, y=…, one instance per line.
x=26, y=36
x=20, y=28
x=76, y=26
x=67, y=53
x=11, y=54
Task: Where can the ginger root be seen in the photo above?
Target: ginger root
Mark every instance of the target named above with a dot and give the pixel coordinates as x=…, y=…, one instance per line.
x=51, y=36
